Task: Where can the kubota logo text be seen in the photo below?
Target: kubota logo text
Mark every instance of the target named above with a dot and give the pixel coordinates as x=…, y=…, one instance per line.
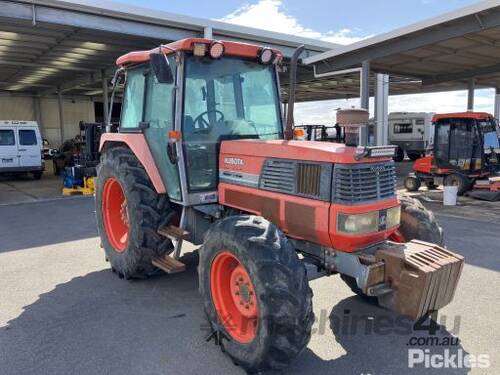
x=234, y=161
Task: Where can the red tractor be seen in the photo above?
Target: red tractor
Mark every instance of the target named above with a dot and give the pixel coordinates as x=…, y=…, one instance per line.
x=466, y=149
x=203, y=154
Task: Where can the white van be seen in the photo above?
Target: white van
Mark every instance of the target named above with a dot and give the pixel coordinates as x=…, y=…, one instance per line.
x=412, y=132
x=21, y=148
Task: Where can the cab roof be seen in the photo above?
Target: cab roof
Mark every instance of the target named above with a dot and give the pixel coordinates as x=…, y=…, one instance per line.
x=230, y=49
x=465, y=115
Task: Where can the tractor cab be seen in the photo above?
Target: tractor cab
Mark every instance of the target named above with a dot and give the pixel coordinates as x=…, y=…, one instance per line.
x=204, y=92
x=467, y=142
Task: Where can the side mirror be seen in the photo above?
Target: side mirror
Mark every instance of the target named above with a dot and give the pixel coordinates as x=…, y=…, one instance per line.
x=161, y=68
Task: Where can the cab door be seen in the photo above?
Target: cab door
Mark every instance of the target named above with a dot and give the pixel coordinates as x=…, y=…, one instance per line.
x=148, y=107
x=29, y=147
x=8, y=149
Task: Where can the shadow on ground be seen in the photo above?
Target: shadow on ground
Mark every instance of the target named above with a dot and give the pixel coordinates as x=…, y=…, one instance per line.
x=375, y=341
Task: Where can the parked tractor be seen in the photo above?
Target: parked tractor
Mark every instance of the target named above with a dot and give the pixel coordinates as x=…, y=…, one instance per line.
x=466, y=150
x=203, y=155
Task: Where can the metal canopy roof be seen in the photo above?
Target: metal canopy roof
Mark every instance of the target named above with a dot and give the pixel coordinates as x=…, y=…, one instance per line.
x=439, y=54
x=46, y=45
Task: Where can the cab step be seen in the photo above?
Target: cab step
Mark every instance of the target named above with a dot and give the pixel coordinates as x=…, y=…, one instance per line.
x=173, y=232
x=169, y=264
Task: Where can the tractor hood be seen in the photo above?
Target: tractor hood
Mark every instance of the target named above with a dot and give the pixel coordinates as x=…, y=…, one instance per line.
x=295, y=150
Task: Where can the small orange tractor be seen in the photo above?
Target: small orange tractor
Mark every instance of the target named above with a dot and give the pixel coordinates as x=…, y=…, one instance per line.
x=465, y=153
x=203, y=154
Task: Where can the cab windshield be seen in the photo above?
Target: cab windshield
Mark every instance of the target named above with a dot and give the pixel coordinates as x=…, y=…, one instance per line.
x=229, y=98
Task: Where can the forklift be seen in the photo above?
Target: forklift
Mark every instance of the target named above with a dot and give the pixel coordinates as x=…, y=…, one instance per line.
x=79, y=177
x=465, y=154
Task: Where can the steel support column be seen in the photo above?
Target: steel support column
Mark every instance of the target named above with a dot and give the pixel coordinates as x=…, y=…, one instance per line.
x=364, y=85
x=105, y=103
x=497, y=103
x=470, y=95
x=38, y=114
x=364, y=96
x=207, y=32
x=381, y=110
x=61, y=117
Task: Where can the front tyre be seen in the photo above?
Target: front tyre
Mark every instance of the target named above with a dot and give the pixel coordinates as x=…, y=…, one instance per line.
x=417, y=223
x=255, y=290
x=129, y=212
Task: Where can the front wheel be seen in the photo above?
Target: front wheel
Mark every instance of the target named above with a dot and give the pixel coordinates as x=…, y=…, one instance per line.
x=412, y=183
x=255, y=292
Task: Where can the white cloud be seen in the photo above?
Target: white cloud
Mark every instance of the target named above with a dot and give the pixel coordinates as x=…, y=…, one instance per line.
x=270, y=15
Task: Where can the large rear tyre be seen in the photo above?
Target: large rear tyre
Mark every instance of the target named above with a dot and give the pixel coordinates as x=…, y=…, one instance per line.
x=462, y=182
x=129, y=212
x=417, y=223
x=255, y=292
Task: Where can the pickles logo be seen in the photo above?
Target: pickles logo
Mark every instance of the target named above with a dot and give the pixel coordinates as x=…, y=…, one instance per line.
x=234, y=161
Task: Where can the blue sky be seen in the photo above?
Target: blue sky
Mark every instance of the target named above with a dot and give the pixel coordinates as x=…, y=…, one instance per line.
x=342, y=22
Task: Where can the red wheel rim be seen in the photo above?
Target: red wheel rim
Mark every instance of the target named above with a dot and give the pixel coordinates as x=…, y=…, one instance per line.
x=234, y=297
x=397, y=236
x=115, y=214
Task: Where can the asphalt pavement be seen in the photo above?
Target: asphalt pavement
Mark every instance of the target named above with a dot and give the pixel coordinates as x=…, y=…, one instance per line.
x=62, y=311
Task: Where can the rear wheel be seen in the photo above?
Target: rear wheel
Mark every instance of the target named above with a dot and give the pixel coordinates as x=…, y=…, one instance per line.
x=417, y=223
x=412, y=183
x=37, y=175
x=462, y=182
x=129, y=212
x=400, y=155
x=255, y=292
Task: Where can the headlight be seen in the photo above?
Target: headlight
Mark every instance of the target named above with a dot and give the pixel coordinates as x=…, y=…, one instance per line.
x=393, y=216
x=369, y=222
x=358, y=224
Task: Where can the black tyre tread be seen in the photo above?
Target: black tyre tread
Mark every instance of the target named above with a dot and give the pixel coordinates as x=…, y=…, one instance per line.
x=281, y=283
x=149, y=210
x=419, y=223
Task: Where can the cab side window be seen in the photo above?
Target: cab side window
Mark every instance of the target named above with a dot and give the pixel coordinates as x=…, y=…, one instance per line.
x=133, y=100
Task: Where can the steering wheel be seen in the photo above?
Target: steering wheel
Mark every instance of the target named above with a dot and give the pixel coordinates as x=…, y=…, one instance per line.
x=203, y=121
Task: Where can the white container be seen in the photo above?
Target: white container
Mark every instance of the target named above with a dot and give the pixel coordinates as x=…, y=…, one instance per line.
x=450, y=195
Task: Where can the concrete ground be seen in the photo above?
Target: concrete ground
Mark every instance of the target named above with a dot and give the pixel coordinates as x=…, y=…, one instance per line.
x=63, y=311
x=23, y=188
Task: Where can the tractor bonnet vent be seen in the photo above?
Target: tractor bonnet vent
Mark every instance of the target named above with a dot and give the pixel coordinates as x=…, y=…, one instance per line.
x=311, y=180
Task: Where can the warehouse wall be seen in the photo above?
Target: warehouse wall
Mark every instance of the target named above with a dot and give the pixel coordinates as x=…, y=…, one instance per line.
x=23, y=108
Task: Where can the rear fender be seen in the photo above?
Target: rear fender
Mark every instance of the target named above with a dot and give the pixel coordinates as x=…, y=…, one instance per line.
x=138, y=145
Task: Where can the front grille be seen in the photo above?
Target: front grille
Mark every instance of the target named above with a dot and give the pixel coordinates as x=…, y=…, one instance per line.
x=360, y=183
